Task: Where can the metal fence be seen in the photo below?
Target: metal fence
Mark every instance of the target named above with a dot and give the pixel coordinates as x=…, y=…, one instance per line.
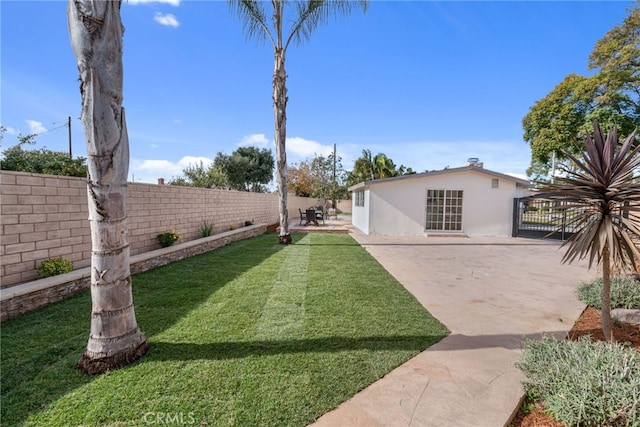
x=537, y=217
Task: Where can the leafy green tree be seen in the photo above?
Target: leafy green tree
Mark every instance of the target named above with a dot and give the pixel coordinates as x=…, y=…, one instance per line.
x=247, y=168
x=306, y=17
x=602, y=196
x=299, y=179
x=403, y=170
x=318, y=178
x=329, y=178
x=44, y=161
x=203, y=177
x=556, y=123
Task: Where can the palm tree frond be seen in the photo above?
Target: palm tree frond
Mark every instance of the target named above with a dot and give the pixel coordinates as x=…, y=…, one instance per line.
x=600, y=198
x=254, y=18
x=313, y=13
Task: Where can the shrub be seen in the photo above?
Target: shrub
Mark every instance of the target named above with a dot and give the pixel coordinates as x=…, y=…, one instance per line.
x=41, y=160
x=248, y=223
x=584, y=382
x=206, y=229
x=168, y=238
x=54, y=266
x=625, y=292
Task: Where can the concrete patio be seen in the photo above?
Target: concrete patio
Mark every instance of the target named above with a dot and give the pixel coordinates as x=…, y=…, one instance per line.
x=491, y=293
x=338, y=224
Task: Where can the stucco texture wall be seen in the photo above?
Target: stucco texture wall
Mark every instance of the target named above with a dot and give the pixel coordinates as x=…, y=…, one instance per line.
x=398, y=207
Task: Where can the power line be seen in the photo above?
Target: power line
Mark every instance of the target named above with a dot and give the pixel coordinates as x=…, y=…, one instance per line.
x=67, y=124
x=51, y=130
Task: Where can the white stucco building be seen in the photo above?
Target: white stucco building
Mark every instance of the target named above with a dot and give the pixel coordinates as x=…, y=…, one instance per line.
x=469, y=200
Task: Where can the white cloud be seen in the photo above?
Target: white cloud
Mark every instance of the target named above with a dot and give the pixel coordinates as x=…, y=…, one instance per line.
x=10, y=130
x=175, y=3
x=35, y=127
x=306, y=148
x=256, y=139
x=153, y=146
x=193, y=161
x=150, y=170
x=168, y=20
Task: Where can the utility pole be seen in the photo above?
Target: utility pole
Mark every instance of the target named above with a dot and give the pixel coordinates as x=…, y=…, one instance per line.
x=69, y=126
x=333, y=193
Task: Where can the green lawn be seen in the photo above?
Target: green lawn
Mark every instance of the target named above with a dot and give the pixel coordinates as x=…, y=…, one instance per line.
x=252, y=334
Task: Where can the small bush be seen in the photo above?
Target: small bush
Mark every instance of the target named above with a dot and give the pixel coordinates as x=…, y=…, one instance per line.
x=168, y=238
x=206, y=229
x=54, y=266
x=248, y=223
x=625, y=292
x=584, y=382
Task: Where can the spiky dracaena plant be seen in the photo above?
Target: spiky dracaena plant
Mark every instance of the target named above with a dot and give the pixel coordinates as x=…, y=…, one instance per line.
x=603, y=195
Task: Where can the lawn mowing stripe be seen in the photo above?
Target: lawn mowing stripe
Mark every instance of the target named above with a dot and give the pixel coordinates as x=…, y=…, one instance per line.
x=283, y=313
x=201, y=316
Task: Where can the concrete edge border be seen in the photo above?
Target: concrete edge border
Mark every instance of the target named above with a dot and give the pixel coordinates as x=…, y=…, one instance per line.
x=25, y=297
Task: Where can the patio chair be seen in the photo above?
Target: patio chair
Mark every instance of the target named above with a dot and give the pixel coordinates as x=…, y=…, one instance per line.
x=320, y=216
x=311, y=217
x=303, y=216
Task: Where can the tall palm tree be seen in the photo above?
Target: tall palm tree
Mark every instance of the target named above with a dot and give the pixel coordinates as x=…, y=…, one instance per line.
x=363, y=169
x=367, y=163
x=95, y=30
x=384, y=166
x=308, y=15
x=603, y=193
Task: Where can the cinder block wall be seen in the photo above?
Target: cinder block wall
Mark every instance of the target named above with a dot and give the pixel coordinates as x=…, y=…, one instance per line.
x=44, y=216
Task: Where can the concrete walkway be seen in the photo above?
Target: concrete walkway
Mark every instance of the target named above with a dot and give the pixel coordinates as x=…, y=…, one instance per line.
x=490, y=293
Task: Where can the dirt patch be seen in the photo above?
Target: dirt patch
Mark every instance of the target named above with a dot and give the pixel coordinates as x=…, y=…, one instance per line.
x=589, y=323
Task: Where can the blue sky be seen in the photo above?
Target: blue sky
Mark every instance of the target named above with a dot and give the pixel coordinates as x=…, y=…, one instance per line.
x=428, y=83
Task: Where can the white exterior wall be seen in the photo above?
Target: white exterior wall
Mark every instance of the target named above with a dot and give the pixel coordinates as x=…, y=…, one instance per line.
x=490, y=210
x=360, y=214
x=398, y=207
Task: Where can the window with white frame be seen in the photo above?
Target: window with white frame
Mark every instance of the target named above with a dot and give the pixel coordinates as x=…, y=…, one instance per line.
x=495, y=183
x=359, y=198
x=444, y=210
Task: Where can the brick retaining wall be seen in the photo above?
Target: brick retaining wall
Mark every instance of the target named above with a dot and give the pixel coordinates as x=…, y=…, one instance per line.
x=45, y=216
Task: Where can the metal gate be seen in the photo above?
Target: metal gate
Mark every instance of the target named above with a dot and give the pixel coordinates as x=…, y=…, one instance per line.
x=535, y=217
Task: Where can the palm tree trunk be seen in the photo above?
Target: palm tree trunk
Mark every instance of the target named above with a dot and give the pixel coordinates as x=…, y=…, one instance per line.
x=606, y=294
x=280, y=134
x=95, y=31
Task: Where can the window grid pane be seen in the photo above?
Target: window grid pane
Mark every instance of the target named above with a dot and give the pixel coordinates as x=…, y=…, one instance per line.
x=444, y=210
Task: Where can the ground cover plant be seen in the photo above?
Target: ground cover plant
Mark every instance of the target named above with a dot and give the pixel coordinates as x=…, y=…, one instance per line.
x=583, y=381
x=625, y=292
x=254, y=333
